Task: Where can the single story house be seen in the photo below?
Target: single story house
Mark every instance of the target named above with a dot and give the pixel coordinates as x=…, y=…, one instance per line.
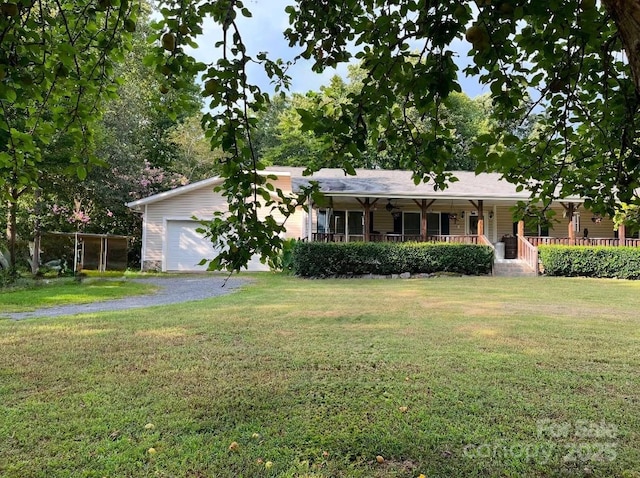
x=374, y=205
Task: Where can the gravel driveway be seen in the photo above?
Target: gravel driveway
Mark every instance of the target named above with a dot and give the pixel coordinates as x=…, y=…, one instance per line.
x=173, y=290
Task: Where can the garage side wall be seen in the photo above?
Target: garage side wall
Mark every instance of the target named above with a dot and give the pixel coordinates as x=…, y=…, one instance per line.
x=200, y=203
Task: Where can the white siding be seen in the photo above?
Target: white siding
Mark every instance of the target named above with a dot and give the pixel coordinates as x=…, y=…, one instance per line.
x=200, y=203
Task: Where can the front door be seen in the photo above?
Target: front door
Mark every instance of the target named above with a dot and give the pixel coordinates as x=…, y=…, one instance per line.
x=473, y=225
x=397, y=223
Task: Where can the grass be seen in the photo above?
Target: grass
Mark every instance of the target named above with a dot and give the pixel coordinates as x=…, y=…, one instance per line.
x=499, y=377
x=66, y=291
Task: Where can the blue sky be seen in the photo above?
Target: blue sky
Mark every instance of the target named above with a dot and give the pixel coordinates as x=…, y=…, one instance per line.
x=263, y=32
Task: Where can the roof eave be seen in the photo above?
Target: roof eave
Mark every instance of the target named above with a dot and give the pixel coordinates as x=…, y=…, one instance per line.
x=136, y=205
x=447, y=197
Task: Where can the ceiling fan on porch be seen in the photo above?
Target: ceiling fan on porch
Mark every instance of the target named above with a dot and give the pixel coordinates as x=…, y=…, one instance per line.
x=391, y=207
x=395, y=211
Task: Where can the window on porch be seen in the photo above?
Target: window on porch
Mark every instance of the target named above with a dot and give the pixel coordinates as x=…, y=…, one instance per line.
x=411, y=226
x=356, y=223
x=433, y=224
x=323, y=221
x=532, y=228
x=339, y=222
x=438, y=224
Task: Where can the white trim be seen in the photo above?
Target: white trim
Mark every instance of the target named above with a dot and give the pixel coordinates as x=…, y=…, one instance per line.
x=309, y=225
x=143, y=252
x=190, y=187
x=174, y=192
x=495, y=224
x=165, y=240
x=303, y=222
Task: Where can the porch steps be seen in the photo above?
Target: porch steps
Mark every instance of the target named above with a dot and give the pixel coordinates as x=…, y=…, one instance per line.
x=512, y=268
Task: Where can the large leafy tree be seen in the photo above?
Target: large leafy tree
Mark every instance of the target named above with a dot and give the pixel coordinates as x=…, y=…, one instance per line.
x=281, y=138
x=196, y=160
x=132, y=142
x=124, y=153
x=577, y=61
x=56, y=67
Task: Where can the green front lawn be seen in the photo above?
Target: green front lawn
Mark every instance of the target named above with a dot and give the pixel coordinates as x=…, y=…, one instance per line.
x=52, y=292
x=469, y=376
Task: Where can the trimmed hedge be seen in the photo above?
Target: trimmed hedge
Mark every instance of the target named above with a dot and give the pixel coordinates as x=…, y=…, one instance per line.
x=585, y=261
x=317, y=259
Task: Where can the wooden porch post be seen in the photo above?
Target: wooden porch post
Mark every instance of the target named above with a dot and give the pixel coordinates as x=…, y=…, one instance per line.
x=520, y=234
x=622, y=233
x=423, y=205
x=570, y=228
x=367, y=220
x=480, y=217
x=423, y=220
x=366, y=207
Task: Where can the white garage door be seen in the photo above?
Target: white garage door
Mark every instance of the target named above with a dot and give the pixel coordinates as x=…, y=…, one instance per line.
x=186, y=247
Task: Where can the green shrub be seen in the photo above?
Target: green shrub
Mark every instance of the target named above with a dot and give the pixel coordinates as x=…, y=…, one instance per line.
x=284, y=261
x=611, y=262
x=316, y=259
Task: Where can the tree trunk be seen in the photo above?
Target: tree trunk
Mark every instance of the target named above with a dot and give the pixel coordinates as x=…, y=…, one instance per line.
x=626, y=15
x=35, y=260
x=12, y=229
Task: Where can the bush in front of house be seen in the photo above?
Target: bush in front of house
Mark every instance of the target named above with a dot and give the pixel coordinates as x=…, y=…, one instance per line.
x=584, y=261
x=317, y=259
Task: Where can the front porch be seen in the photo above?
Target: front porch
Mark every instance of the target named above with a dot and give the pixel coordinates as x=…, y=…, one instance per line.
x=459, y=220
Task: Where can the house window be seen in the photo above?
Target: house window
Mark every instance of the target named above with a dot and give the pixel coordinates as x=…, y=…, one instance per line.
x=356, y=220
x=438, y=224
x=323, y=221
x=433, y=224
x=576, y=222
x=339, y=222
x=532, y=227
x=411, y=223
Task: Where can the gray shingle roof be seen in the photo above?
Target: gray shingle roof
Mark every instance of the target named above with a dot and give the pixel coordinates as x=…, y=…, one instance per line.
x=399, y=184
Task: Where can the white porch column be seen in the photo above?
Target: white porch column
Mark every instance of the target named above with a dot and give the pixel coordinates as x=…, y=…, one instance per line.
x=309, y=219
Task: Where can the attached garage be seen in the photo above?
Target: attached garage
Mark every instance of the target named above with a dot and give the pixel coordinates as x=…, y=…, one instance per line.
x=169, y=238
x=185, y=247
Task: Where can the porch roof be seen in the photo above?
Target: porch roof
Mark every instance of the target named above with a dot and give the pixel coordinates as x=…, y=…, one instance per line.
x=399, y=184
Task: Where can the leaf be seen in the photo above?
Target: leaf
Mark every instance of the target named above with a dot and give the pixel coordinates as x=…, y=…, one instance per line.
x=81, y=171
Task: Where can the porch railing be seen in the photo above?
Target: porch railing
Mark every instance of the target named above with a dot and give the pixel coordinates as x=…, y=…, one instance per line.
x=484, y=240
x=390, y=237
x=582, y=241
x=528, y=253
x=461, y=239
x=336, y=237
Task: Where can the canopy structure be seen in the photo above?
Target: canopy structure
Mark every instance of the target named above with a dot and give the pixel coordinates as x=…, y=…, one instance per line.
x=101, y=252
